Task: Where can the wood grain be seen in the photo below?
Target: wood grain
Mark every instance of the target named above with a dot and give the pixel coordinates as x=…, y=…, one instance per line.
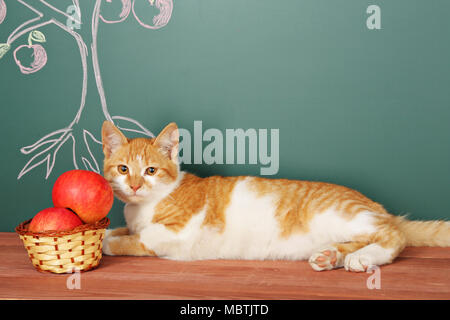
x=419, y=273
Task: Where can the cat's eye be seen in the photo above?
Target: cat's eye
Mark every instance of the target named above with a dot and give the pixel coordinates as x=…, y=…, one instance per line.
x=150, y=171
x=123, y=169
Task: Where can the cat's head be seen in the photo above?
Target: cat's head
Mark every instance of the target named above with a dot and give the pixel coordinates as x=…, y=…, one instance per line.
x=140, y=169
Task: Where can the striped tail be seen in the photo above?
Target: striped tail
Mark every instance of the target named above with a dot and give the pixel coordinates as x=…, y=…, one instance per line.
x=425, y=233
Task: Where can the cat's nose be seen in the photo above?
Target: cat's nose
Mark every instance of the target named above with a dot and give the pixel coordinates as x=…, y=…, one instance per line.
x=135, y=188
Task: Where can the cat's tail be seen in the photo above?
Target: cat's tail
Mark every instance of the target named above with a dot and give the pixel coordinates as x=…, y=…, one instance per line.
x=425, y=233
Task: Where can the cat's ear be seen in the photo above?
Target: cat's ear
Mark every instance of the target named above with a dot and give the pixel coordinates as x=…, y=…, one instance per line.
x=112, y=138
x=167, y=141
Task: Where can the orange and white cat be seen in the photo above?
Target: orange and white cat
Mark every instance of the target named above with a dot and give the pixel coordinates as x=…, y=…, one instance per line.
x=177, y=215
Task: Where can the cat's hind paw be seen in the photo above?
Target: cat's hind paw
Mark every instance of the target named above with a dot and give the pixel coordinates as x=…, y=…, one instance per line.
x=326, y=259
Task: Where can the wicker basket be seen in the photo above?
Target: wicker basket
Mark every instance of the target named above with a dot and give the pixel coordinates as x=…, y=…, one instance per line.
x=79, y=249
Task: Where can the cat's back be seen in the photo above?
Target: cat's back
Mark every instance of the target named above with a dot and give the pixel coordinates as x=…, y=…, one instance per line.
x=291, y=202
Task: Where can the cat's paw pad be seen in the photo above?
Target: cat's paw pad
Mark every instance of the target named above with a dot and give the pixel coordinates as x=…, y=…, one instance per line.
x=326, y=259
x=357, y=262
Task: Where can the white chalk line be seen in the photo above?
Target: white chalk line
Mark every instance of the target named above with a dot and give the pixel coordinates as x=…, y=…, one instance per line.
x=160, y=20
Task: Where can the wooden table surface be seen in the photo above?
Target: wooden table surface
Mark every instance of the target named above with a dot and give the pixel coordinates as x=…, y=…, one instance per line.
x=419, y=273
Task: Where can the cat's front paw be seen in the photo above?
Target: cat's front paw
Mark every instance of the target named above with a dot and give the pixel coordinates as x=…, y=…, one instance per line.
x=106, y=247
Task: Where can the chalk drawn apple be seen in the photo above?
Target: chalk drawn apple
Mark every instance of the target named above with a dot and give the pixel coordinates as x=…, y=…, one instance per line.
x=39, y=53
x=2, y=11
x=4, y=47
x=165, y=8
x=125, y=11
x=40, y=58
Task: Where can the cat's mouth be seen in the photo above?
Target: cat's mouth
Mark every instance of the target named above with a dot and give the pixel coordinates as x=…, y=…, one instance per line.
x=129, y=196
x=136, y=196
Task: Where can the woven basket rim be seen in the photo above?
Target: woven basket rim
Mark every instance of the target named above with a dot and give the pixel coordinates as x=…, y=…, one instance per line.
x=22, y=229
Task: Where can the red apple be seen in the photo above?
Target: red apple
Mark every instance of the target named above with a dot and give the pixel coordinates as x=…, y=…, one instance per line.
x=60, y=219
x=86, y=193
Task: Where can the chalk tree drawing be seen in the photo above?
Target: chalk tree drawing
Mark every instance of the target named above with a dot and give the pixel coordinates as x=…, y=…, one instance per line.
x=44, y=150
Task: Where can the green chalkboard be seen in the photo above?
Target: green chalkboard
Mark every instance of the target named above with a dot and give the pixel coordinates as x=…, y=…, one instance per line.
x=352, y=92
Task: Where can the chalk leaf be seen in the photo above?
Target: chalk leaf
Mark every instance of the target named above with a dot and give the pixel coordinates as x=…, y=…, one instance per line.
x=4, y=48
